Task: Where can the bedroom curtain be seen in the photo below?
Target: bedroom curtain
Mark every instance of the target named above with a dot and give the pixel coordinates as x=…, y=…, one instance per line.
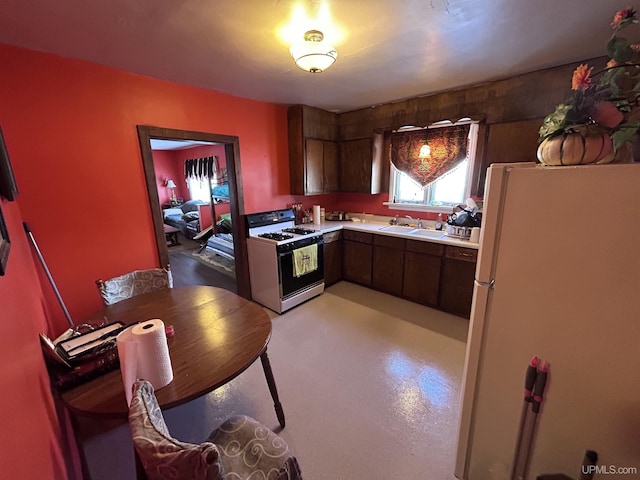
x=429, y=154
x=201, y=169
x=200, y=175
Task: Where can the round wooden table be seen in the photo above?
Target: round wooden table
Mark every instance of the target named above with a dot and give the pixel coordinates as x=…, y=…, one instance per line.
x=218, y=335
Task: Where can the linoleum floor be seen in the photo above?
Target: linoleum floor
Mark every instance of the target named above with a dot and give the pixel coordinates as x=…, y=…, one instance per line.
x=369, y=383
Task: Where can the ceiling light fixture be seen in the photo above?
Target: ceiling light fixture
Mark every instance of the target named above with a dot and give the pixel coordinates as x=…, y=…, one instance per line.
x=314, y=54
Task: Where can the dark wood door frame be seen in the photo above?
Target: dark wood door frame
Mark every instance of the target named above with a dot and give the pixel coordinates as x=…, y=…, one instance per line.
x=236, y=197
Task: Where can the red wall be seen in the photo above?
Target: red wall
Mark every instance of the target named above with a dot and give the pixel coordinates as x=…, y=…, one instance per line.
x=364, y=203
x=167, y=166
x=170, y=164
x=32, y=444
x=70, y=128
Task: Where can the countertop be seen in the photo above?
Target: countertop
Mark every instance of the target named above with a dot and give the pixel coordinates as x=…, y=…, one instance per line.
x=374, y=227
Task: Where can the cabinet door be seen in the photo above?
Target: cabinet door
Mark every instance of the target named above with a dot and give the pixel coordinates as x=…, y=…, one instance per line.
x=330, y=166
x=314, y=170
x=356, y=260
x=356, y=157
x=332, y=261
x=296, y=150
x=456, y=285
x=388, y=264
x=505, y=143
x=421, y=278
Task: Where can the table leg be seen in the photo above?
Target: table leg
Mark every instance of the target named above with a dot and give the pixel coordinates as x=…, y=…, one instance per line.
x=268, y=373
x=84, y=466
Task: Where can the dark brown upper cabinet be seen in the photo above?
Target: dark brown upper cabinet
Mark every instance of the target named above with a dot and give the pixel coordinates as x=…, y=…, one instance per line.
x=362, y=169
x=313, y=150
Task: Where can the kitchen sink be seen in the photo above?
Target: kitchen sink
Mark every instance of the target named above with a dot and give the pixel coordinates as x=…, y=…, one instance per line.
x=397, y=228
x=423, y=232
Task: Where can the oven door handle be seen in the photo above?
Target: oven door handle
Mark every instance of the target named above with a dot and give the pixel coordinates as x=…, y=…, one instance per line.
x=287, y=252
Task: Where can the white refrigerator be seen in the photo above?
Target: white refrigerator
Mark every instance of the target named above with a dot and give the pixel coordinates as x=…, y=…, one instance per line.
x=558, y=277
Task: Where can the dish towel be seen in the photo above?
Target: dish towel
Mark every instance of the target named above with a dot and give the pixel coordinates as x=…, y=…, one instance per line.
x=305, y=260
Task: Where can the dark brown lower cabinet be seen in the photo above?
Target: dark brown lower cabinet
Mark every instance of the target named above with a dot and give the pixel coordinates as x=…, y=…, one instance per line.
x=388, y=264
x=332, y=257
x=422, y=266
x=357, y=254
x=456, y=284
x=440, y=276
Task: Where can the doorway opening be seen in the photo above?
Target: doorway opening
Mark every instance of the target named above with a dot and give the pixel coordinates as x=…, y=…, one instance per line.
x=235, y=198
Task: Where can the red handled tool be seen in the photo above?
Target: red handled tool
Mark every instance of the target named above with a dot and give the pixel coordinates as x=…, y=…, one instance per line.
x=535, y=381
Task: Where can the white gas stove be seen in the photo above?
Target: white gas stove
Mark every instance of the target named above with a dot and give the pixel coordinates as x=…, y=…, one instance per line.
x=277, y=227
x=273, y=243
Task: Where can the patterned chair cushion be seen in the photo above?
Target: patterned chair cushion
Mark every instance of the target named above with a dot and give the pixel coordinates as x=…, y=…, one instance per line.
x=163, y=457
x=240, y=449
x=250, y=451
x=134, y=283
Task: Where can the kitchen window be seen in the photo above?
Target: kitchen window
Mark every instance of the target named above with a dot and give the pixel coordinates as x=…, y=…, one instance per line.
x=431, y=168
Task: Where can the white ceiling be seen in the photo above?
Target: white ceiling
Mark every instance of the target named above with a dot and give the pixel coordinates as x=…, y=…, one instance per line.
x=159, y=144
x=388, y=50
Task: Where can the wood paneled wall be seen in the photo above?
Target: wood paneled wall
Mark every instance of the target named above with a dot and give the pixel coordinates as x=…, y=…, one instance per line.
x=512, y=111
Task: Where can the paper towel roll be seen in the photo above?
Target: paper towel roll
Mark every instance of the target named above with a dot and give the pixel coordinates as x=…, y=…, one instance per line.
x=316, y=215
x=475, y=235
x=144, y=354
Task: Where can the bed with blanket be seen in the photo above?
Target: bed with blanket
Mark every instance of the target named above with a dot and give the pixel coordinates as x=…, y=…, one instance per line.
x=219, y=240
x=184, y=217
x=221, y=244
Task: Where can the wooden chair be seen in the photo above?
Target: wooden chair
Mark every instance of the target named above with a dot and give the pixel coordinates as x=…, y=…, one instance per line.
x=134, y=283
x=203, y=237
x=240, y=449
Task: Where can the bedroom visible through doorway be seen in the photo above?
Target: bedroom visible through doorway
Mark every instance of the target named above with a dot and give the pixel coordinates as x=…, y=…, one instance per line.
x=212, y=247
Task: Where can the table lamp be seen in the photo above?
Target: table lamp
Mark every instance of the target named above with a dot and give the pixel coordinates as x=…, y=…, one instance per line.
x=172, y=186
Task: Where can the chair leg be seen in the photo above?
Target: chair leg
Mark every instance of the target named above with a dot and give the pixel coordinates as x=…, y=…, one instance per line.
x=140, y=472
x=268, y=373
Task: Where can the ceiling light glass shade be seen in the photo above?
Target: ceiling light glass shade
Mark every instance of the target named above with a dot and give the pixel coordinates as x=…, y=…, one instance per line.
x=313, y=55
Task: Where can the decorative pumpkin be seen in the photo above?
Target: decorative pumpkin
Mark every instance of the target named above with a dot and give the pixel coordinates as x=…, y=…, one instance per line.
x=577, y=145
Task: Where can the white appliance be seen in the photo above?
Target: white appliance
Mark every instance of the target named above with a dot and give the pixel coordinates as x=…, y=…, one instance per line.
x=558, y=277
x=272, y=238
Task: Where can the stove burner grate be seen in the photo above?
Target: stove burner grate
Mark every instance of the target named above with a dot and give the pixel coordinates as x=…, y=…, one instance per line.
x=298, y=230
x=275, y=236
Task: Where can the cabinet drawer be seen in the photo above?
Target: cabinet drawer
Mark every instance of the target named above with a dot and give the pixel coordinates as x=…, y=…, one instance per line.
x=428, y=248
x=332, y=236
x=358, y=236
x=386, y=241
x=460, y=253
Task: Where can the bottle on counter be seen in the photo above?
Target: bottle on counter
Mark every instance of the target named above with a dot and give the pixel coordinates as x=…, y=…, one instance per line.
x=439, y=222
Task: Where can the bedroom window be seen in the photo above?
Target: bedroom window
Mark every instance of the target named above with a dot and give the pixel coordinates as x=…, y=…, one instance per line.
x=431, y=168
x=201, y=174
x=198, y=189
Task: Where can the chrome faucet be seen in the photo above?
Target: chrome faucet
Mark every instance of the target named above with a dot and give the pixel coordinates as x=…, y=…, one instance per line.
x=420, y=223
x=406, y=216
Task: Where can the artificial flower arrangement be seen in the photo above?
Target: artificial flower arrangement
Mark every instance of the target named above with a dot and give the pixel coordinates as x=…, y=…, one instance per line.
x=603, y=108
